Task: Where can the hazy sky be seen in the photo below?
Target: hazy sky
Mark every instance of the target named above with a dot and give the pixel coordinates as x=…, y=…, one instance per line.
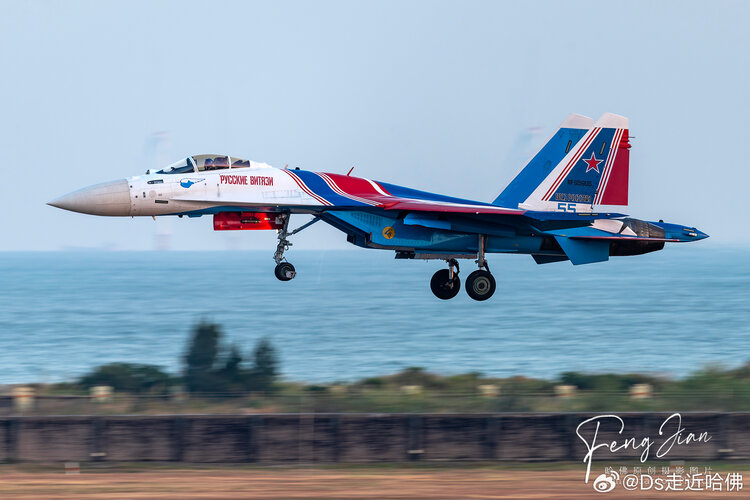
x=437, y=96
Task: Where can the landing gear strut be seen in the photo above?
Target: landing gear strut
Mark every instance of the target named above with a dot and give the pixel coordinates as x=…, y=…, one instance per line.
x=284, y=270
x=445, y=284
x=480, y=285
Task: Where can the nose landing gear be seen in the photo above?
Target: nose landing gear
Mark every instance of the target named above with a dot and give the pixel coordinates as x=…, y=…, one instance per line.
x=445, y=283
x=284, y=270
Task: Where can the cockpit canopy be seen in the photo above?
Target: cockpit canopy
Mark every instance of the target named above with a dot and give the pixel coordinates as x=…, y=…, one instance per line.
x=202, y=163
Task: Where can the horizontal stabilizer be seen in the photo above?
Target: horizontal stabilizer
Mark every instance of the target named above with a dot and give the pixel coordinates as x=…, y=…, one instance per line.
x=612, y=230
x=571, y=216
x=584, y=251
x=622, y=238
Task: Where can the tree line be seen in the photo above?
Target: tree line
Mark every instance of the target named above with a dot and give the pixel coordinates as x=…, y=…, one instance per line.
x=208, y=366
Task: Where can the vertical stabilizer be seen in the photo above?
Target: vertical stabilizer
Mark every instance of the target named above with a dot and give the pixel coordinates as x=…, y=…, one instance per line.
x=541, y=164
x=613, y=188
x=593, y=173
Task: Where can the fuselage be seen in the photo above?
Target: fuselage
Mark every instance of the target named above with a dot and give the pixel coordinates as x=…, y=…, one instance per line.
x=357, y=206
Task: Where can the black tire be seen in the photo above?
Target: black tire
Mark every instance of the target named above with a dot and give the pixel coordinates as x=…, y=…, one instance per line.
x=443, y=287
x=284, y=271
x=480, y=285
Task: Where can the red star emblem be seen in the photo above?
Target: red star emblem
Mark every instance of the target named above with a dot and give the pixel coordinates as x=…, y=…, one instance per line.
x=593, y=163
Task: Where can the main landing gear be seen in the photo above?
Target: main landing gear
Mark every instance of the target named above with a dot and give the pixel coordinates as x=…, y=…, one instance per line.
x=284, y=270
x=445, y=283
x=480, y=285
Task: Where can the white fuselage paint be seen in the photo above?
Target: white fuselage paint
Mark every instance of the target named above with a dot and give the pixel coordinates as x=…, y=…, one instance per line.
x=256, y=186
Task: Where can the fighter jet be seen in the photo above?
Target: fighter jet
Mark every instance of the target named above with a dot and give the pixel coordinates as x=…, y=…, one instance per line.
x=565, y=205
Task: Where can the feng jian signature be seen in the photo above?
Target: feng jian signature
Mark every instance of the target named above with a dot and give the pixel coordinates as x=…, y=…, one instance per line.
x=679, y=437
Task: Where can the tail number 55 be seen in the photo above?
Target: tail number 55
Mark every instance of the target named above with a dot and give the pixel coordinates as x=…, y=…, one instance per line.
x=566, y=207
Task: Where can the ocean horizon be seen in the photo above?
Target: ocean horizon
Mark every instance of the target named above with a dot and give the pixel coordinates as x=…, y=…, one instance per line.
x=351, y=314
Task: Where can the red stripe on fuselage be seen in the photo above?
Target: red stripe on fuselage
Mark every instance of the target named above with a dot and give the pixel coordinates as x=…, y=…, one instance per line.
x=356, y=186
x=347, y=194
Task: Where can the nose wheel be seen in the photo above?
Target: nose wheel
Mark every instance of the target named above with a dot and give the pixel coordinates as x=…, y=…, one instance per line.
x=284, y=270
x=445, y=283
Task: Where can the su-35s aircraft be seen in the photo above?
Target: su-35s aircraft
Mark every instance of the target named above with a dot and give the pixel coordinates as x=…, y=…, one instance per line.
x=563, y=205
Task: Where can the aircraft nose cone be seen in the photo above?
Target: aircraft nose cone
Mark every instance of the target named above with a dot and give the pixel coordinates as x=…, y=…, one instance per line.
x=107, y=198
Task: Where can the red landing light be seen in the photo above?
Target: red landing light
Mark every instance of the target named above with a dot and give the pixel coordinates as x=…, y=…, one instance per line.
x=229, y=221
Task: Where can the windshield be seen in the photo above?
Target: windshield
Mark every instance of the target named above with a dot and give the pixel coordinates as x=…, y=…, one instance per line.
x=211, y=162
x=238, y=163
x=178, y=167
x=203, y=163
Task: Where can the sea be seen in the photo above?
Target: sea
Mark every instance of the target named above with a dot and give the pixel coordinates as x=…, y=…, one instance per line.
x=359, y=313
